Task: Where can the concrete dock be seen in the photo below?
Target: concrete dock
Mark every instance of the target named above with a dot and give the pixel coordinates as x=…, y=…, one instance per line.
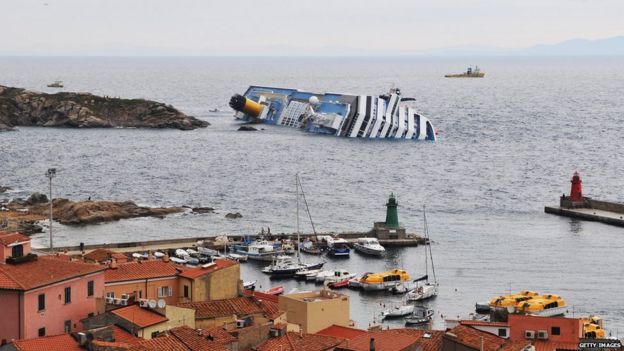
x=234, y=239
x=588, y=214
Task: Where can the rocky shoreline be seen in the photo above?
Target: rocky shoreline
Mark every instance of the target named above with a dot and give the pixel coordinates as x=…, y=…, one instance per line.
x=21, y=107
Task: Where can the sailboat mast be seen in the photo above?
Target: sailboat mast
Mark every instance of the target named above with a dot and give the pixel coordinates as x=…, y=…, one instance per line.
x=426, y=241
x=429, y=241
x=308, y=210
x=297, y=196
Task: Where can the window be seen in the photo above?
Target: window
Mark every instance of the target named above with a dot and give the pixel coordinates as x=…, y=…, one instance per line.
x=502, y=332
x=186, y=291
x=68, y=294
x=41, y=302
x=17, y=251
x=555, y=331
x=68, y=326
x=41, y=332
x=90, y=288
x=165, y=291
x=90, y=315
x=110, y=294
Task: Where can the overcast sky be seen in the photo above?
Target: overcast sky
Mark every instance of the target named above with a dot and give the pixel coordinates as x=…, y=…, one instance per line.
x=283, y=27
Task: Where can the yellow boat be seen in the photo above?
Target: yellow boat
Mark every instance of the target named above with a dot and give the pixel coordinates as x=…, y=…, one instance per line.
x=546, y=305
x=512, y=300
x=592, y=327
x=384, y=280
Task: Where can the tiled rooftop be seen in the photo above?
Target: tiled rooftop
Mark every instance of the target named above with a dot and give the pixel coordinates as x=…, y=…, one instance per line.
x=8, y=238
x=472, y=337
x=40, y=272
x=295, y=342
x=165, y=343
x=193, y=273
x=141, y=270
x=338, y=331
x=194, y=341
x=546, y=345
x=387, y=340
x=220, y=335
x=240, y=306
x=99, y=255
x=139, y=316
x=430, y=340
x=63, y=342
x=483, y=323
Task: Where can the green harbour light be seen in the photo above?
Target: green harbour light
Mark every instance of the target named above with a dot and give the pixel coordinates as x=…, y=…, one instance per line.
x=392, y=217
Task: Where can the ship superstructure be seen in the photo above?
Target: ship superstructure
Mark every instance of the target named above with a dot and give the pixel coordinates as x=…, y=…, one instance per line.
x=353, y=116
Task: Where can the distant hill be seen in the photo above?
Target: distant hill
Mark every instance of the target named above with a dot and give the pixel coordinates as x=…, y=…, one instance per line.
x=579, y=47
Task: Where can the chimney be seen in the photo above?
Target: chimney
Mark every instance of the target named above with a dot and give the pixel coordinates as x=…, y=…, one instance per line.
x=481, y=343
x=149, y=255
x=113, y=264
x=372, y=344
x=165, y=258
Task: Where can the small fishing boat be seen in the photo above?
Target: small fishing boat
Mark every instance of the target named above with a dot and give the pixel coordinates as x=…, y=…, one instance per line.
x=369, y=246
x=259, y=250
x=276, y=290
x=139, y=256
x=420, y=316
x=338, y=284
x=158, y=254
x=339, y=275
x=320, y=276
x=398, y=311
x=250, y=285
x=237, y=257
x=336, y=247
x=310, y=247
x=302, y=274
x=192, y=252
x=56, y=84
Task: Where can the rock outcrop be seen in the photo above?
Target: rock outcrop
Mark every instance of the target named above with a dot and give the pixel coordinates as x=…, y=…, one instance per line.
x=20, y=107
x=246, y=128
x=233, y=215
x=4, y=189
x=91, y=212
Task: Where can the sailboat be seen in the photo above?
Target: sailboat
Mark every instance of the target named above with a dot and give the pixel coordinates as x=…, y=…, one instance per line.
x=428, y=289
x=284, y=266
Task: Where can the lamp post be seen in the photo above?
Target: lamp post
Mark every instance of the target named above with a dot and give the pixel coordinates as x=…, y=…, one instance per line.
x=51, y=174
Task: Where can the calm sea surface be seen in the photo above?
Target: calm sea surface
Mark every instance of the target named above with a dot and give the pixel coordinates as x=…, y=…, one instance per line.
x=508, y=145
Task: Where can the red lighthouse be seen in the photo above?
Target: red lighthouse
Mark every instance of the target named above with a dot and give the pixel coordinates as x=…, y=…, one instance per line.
x=576, y=191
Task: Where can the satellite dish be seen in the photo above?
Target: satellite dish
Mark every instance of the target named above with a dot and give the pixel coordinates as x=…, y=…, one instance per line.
x=152, y=303
x=161, y=303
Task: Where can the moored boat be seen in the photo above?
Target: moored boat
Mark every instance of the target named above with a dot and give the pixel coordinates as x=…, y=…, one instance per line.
x=420, y=316
x=470, y=73
x=428, y=289
x=339, y=275
x=398, y=311
x=383, y=280
x=259, y=250
x=546, y=305
x=369, y=246
x=338, y=284
x=276, y=290
x=302, y=274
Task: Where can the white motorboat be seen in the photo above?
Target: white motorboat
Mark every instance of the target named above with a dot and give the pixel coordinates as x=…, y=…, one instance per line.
x=320, y=276
x=249, y=285
x=339, y=275
x=178, y=260
x=260, y=250
x=237, y=257
x=192, y=252
x=302, y=274
x=206, y=251
x=158, y=254
x=398, y=311
x=369, y=246
x=181, y=253
x=420, y=316
x=428, y=289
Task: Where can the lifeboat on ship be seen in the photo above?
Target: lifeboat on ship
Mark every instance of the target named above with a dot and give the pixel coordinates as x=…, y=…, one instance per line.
x=546, y=305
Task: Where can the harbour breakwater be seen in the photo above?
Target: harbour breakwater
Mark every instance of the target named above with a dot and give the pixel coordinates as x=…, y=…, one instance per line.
x=21, y=107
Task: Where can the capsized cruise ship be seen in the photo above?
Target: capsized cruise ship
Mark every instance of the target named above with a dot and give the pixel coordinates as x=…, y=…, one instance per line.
x=389, y=116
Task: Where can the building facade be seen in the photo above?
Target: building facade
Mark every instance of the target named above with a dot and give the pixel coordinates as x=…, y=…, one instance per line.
x=315, y=310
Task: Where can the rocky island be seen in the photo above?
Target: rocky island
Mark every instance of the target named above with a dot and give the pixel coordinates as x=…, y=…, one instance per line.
x=23, y=215
x=21, y=107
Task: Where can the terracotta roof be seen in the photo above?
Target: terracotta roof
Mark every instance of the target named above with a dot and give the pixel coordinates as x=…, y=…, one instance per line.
x=430, y=340
x=483, y=323
x=8, y=238
x=63, y=342
x=240, y=306
x=338, y=331
x=124, y=336
x=193, y=273
x=294, y=342
x=387, y=340
x=140, y=270
x=546, y=345
x=261, y=295
x=100, y=255
x=139, y=316
x=517, y=345
x=220, y=335
x=194, y=341
x=472, y=337
x=37, y=273
x=167, y=343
